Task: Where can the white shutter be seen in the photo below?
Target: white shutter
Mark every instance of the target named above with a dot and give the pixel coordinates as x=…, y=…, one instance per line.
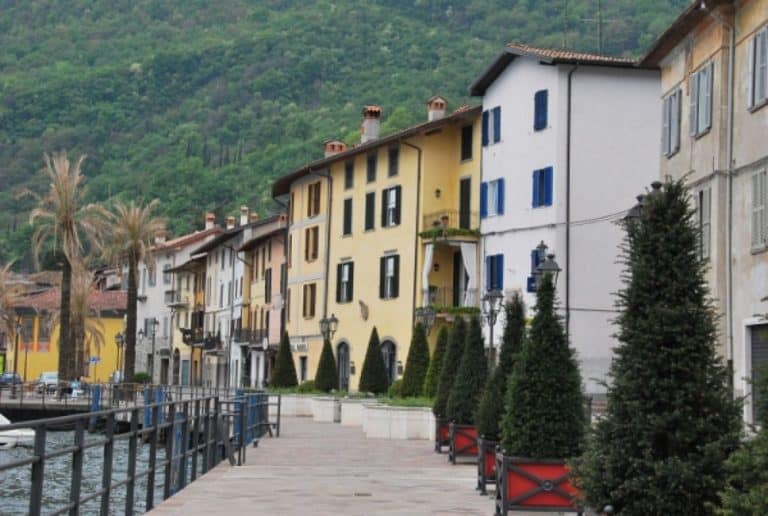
x=674, y=125
x=758, y=209
x=706, y=97
x=761, y=67
x=706, y=222
x=665, y=129
x=751, y=75
x=693, y=108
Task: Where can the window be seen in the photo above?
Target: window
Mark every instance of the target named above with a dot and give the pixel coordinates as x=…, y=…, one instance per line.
x=344, y=282
x=313, y=200
x=390, y=207
x=700, y=115
x=268, y=286
x=758, y=69
x=540, y=101
x=370, y=168
x=347, y=223
x=389, y=277
x=703, y=218
x=537, y=257
x=152, y=276
x=283, y=277
x=466, y=142
x=269, y=251
x=221, y=294
x=263, y=260
x=288, y=305
x=492, y=198
x=291, y=204
x=492, y=126
x=223, y=256
x=308, y=309
x=542, y=187
x=494, y=272
x=349, y=175
x=394, y=160
x=167, y=274
x=310, y=244
x=303, y=368
x=43, y=331
x=758, y=210
x=370, y=209
x=670, y=131
x=290, y=250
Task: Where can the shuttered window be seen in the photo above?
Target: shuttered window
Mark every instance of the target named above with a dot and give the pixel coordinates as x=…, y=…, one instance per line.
x=345, y=282
x=466, y=142
x=540, y=101
x=494, y=272
x=268, y=286
x=370, y=210
x=670, y=133
x=759, y=358
x=542, y=187
x=310, y=243
x=492, y=126
x=349, y=175
x=492, y=198
x=704, y=220
x=390, y=206
x=347, y=222
x=310, y=293
x=700, y=114
x=389, y=277
x=394, y=160
x=370, y=168
x=313, y=199
x=758, y=210
x=758, y=69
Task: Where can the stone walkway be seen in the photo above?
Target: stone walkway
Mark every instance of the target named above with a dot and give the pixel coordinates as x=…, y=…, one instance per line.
x=329, y=469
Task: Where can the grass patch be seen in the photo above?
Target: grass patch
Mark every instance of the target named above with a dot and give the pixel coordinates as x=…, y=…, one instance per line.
x=407, y=402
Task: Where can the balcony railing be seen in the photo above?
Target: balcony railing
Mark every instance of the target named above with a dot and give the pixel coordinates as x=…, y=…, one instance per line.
x=250, y=336
x=451, y=219
x=175, y=298
x=446, y=297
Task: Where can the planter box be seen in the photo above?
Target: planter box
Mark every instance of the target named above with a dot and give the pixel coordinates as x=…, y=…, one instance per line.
x=442, y=434
x=293, y=405
x=534, y=485
x=352, y=412
x=463, y=442
x=326, y=409
x=387, y=422
x=486, y=463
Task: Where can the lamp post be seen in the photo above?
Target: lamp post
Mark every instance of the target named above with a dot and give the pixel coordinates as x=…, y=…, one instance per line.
x=154, y=323
x=549, y=268
x=491, y=308
x=120, y=341
x=16, y=336
x=328, y=327
x=426, y=316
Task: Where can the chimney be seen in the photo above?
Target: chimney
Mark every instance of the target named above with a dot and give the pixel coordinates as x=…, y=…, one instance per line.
x=371, y=123
x=253, y=217
x=436, y=108
x=230, y=222
x=333, y=147
x=210, y=220
x=244, y=215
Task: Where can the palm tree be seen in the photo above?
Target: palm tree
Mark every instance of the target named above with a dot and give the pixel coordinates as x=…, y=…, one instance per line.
x=133, y=229
x=9, y=296
x=62, y=216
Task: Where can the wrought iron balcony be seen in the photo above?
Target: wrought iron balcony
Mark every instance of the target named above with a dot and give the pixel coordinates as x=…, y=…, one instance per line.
x=451, y=220
x=174, y=298
x=448, y=299
x=250, y=336
x=193, y=336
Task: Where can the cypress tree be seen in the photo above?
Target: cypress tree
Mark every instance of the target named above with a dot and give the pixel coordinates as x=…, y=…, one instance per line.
x=470, y=378
x=451, y=362
x=671, y=420
x=327, y=378
x=284, y=374
x=436, y=364
x=373, y=377
x=416, y=364
x=491, y=408
x=544, y=416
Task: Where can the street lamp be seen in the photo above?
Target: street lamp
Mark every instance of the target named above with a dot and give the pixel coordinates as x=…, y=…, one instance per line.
x=426, y=317
x=17, y=335
x=491, y=307
x=120, y=341
x=154, y=323
x=328, y=326
x=549, y=268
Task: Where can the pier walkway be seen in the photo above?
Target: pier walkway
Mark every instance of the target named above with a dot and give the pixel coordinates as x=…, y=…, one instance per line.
x=329, y=469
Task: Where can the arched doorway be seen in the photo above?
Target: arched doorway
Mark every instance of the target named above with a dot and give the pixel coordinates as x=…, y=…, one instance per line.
x=389, y=352
x=176, y=366
x=342, y=365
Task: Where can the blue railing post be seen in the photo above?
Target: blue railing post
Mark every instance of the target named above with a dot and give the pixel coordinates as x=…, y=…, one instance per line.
x=147, y=410
x=95, y=405
x=238, y=412
x=159, y=398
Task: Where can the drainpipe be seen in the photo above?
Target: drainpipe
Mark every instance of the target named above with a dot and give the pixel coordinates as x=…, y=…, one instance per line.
x=416, y=233
x=568, y=205
x=284, y=281
x=729, y=201
x=327, y=175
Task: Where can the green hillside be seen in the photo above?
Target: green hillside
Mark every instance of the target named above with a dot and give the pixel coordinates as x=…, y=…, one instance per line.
x=202, y=103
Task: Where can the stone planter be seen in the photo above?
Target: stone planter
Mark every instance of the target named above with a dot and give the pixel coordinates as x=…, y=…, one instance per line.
x=352, y=411
x=326, y=409
x=534, y=485
x=293, y=405
x=463, y=442
x=387, y=422
x=486, y=463
x=442, y=434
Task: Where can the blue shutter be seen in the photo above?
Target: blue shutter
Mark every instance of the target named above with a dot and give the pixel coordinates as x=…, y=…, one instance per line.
x=540, y=110
x=535, y=200
x=548, y=186
x=496, y=124
x=483, y=200
x=531, y=284
x=499, y=272
x=500, y=197
x=485, y=128
x=488, y=263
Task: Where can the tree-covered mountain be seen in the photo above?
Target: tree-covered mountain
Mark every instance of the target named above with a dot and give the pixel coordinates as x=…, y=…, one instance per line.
x=202, y=104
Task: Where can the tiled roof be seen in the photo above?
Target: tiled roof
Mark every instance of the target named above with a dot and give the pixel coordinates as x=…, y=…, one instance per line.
x=98, y=300
x=568, y=56
x=190, y=238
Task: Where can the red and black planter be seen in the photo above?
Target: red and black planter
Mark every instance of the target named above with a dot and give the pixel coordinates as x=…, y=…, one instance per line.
x=534, y=485
x=486, y=463
x=463, y=442
x=442, y=434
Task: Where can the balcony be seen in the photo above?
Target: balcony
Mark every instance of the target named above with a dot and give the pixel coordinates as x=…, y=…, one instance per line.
x=250, y=336
x=193, y=336
x=450, y=223
x=450, y=300
x=174, y=299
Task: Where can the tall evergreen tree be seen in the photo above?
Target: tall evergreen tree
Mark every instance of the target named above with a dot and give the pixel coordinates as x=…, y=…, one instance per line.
x=470, y=378
x=327, y=377
x=544, y=416
x=671, y=421
x=416, y=364
x=436, y=363
x=373, y=377
x=451, y=362
x=491, y=408
x=284, y=374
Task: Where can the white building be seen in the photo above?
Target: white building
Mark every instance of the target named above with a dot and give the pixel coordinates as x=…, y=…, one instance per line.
x=569, y=140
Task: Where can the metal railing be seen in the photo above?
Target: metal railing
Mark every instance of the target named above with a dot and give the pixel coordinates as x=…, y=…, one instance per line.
x=446, y=297
x=444, y=219
x=194, y=435
x=175, y=298
x=249, y=335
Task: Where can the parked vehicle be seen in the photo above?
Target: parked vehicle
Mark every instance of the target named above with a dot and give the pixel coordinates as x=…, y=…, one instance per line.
x=9, y=379
x=47, y=382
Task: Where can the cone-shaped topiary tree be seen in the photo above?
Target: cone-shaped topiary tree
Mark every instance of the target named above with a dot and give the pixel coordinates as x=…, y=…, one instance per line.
x=451, y=362
x=470, y=378
x=435, y=365
x=284, y=374
x=373, y=377
x=491, y=408
x=326, y=378
x=416, y=364
x=544, y=410
x=671, y=420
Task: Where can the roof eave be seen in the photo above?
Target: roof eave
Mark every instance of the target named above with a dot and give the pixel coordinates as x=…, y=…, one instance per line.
x=480, y=85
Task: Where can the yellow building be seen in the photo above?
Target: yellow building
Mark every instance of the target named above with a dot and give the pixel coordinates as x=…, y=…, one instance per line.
x=395, y=202
x=36, y=349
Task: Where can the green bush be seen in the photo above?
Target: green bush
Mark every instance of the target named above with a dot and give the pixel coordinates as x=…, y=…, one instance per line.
x=284, y=374
x=142, y=377
x=470, y=378
x=396, y=389
x=416, y=364
x=373, y=377
x=435, y=365
x=307, y=387
x=451, y=362
x=327, y=377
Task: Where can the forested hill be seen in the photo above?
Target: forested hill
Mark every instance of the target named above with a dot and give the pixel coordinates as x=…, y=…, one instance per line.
x=202, y=103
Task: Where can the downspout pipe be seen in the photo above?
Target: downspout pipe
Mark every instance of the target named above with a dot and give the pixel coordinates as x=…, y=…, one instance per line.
x=729, y=201
x=568, y=202
x=416, y=224
x=284, y=281
x=329, y=200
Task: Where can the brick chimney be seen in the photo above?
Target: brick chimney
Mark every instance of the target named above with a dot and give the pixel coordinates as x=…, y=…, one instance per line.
x=253, y=217
x=230, y=222
x=332, y=147
x=369, y=130
x=244, y=215
x=210, y=220
x=436, y=108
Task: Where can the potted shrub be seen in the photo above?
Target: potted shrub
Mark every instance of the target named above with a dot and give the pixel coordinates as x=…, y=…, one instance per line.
x=451, y=361
x=416, y=364
x=373, y=377
x=284, y=375
x=491, y=408
x=544, y=420
x=436, y=364
x=465, y=395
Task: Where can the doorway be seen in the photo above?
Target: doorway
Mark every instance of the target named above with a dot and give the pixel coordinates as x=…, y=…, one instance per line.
x=342, y=365
x=176, y=366
x=389, y=352
x=465, y=192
